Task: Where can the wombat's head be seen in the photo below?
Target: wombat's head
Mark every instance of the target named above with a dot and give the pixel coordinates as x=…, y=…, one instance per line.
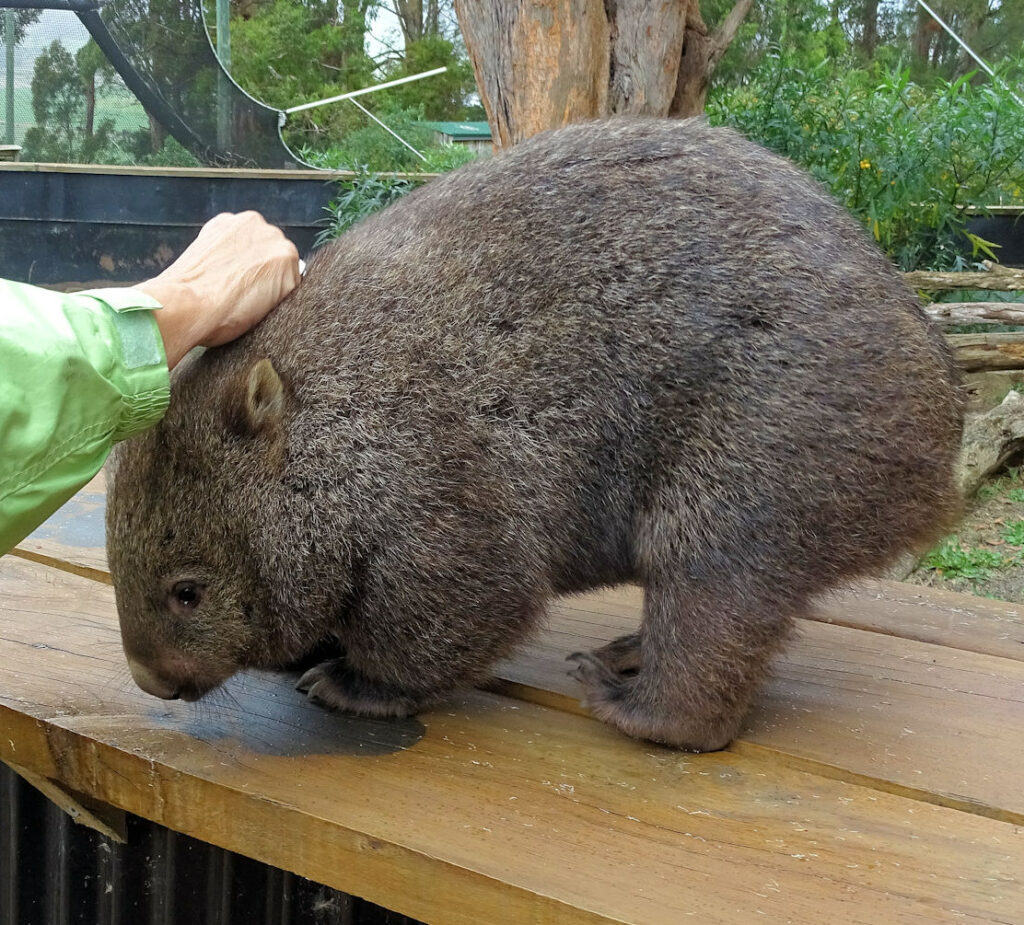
x=187, y=512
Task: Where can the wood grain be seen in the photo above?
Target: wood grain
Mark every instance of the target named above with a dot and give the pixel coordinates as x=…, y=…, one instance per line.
x=978, y=352
x=908, y=689
x=995, y=277
x=73, y=539
x=944, y=724
x=502, y=812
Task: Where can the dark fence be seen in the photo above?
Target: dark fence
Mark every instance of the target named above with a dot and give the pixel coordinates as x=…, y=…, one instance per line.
x=77, y=225
x=56, y=872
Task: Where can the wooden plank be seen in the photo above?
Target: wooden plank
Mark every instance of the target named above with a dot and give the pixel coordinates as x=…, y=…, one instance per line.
x=74, y=538
x=911, y=717
x=955, y=313
x=502, y=812
x=946, y=618
x=961, y=621
x=842, y=700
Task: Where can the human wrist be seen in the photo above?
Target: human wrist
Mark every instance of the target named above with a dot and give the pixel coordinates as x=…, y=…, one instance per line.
x=177, y=320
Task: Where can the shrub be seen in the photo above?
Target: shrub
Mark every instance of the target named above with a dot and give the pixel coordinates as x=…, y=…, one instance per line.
x=903, y=159
x=360, y=196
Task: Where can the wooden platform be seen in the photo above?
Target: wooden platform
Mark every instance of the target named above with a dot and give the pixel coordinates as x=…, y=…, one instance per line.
x=880, y=778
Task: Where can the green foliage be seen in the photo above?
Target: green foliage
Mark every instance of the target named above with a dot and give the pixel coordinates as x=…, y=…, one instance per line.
x=442, y=97
x=1013, y=532
x=951, y=560
x=446, y=157
x=903, y=159
x=291, y=53
x=56, y=101
x=22, y=20
x=868, y=35
x=364, y=145
x=359, y=197
x=286, y=53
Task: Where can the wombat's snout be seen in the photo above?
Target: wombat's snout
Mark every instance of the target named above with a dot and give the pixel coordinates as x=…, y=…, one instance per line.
x=165, y=688
x=152, y=683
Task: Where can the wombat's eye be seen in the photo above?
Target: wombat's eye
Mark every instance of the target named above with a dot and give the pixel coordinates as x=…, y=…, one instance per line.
x=186, y=594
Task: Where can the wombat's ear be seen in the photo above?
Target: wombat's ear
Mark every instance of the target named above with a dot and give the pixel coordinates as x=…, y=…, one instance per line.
x=256, y=401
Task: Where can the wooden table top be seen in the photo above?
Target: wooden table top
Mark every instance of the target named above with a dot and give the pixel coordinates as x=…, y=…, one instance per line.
x=880, y=777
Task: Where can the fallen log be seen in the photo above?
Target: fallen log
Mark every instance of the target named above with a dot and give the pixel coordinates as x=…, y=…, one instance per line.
x=951, y=313
x=994, y=277
x=990, y=440
x=977, y=352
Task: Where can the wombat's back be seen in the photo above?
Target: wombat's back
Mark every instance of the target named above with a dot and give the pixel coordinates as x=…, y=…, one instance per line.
x=616, y=306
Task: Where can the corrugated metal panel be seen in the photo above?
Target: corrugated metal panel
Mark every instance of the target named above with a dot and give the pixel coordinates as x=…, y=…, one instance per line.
x=55, y=872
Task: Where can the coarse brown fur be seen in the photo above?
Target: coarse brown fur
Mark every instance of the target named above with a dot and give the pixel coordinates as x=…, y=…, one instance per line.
x=635, y=350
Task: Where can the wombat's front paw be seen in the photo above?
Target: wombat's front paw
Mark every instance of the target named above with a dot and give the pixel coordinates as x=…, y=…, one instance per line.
x=621, y=699
x=335, y=684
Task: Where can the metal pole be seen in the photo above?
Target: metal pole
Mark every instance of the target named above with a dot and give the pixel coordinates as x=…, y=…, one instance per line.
x=390, y=131
x=9, y=42
x=956, y=38
x=223, y=81
x=384, y=86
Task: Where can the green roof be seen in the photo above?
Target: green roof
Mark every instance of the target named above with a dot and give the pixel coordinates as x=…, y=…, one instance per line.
x=462, y=131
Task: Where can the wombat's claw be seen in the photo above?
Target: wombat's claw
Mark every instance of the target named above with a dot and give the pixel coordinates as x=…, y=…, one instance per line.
x=334, y=684
x=317, y=685
x=590, y=670
x=309, y=679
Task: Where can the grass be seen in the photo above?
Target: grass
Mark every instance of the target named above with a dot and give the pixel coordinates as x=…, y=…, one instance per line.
x=951, y=560
x=996, y=486
x=1013, y=532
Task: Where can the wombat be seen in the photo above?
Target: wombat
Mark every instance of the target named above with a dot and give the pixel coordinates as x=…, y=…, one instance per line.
x=625, y=351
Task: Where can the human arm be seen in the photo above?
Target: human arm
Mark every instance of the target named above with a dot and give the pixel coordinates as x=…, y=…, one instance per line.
x=79, y=372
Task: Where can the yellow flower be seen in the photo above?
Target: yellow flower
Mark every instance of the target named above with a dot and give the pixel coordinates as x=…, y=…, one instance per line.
x=865, y=164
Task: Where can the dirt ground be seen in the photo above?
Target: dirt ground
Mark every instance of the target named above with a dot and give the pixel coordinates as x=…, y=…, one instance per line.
x=986, y=555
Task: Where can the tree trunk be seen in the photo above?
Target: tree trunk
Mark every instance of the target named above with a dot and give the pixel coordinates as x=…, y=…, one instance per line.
x=157, y=134
x=869, y=28
x=538, y=63
x=417, y=18
x=541, y=64
x=90, y=104
x=923, y=35
x=410, y=18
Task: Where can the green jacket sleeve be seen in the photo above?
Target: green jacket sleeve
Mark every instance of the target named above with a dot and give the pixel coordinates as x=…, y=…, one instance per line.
x=77, y=373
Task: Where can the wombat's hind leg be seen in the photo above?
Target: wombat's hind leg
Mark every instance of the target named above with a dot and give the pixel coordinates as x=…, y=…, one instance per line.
x=688, y=677
x=336, y=684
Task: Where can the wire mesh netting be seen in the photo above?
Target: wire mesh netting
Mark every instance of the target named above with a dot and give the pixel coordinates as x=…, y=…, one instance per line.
x=129, y=82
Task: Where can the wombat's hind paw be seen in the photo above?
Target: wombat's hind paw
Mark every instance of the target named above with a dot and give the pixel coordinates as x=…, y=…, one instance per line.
x=620, y=699
x=335, y=684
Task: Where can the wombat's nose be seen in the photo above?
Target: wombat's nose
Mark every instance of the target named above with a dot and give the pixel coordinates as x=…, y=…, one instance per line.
x=152, y=683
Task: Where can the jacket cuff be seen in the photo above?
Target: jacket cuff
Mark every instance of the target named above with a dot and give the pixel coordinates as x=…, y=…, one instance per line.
x=146, y=382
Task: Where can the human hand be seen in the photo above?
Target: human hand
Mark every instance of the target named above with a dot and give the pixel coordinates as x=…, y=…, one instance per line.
x=236, y=270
